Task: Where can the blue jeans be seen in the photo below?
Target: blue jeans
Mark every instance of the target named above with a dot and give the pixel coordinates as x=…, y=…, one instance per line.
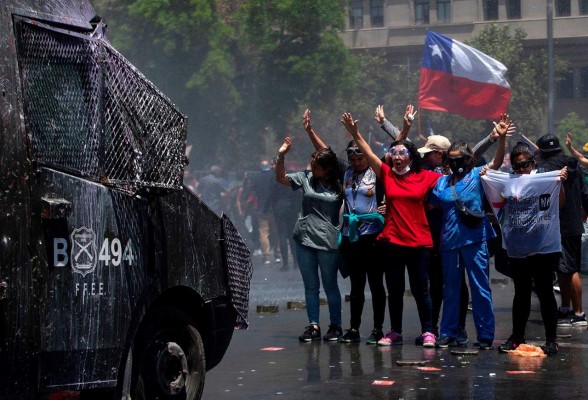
x=309, y=262
x=474, y=258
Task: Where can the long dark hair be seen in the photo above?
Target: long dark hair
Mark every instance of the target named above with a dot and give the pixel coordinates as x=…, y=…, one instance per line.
x=415, y=157
x=327, y=160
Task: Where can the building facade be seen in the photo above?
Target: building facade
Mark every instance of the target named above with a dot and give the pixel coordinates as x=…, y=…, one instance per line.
x=397, y=28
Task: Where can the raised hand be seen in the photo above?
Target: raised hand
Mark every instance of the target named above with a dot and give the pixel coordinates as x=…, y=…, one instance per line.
x=350, y=124
x=285, y=147
x=409, y=115
x=306, y=121
x=569, y=138
x=380, y=116
x=502, y=126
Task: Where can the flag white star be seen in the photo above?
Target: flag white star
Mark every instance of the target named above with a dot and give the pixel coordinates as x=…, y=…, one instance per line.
x=435, y=51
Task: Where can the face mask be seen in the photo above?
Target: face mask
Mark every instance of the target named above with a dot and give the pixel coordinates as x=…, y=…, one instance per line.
x=459, y=166
x=404, y=171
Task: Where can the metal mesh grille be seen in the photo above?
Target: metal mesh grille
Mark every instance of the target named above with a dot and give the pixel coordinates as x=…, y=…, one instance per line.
x=238, y=259
x=90, y=112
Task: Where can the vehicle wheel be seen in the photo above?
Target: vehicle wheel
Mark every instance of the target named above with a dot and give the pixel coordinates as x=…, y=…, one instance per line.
x=170, y=359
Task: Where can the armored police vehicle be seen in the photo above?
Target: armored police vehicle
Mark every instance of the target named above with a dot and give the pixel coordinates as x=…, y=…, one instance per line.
x=115, y=280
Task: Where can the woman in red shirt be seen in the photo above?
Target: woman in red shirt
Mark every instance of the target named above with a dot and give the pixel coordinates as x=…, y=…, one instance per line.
x=406, y=238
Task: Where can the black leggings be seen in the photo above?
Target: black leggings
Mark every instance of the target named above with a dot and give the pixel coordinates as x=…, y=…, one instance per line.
x=362, y=262
x=538, y=270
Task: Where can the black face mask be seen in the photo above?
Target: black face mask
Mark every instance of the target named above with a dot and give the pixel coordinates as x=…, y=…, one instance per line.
x=459, y=166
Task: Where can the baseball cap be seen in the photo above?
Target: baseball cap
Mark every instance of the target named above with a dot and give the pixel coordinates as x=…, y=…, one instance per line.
x=435, y=142
x=548, y=143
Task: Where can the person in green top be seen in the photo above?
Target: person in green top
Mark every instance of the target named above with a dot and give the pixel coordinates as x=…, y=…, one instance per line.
x=316, y=233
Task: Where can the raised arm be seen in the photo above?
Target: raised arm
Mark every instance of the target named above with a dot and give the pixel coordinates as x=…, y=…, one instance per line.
x=483, y=145
x=408, y=119
x=501, y=129
x=386, y=125
x=583, y=160
x=351, y=126
x=280, y=168
x=314, y=138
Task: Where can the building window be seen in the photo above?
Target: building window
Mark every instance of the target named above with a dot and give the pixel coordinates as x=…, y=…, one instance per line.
x=563, y=8
x=444, y=10
x=565, y=87
x=490, y=10
x=584, y=82
x=421, y=10
x=583, y=7
x=356, y=14
x=377, y=12
x=513, y=9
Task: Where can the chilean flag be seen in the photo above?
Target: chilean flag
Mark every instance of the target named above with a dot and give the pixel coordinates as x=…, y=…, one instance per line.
x=459, y=79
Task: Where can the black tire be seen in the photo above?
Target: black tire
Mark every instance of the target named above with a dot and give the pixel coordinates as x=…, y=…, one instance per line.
x=169, y=362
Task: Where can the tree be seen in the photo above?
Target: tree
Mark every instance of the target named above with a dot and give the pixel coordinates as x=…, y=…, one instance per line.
x=239, y=70
x=572, y=123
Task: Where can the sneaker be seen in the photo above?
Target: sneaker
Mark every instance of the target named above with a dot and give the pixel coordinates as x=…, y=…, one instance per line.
x=351, y=336
x=428, y=339
x=510, y=345
x=462, y=337
x=578, y=320
x=333, y=334
x=550, y=348
x=391, y=338
x=375, y=336
x=564, y=319
x=278, y=260
x=484, y=345
x=267, y=262
x=311, y=333
x=445, y=341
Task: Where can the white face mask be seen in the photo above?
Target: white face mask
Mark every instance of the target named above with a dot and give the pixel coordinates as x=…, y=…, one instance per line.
x=404, y=171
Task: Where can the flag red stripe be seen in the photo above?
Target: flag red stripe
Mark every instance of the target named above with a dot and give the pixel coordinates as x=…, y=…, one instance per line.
x=441, y=91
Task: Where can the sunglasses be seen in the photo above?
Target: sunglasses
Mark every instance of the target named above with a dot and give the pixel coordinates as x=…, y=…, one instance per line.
x=399, y=153
x=521, y=165
x=354, y=150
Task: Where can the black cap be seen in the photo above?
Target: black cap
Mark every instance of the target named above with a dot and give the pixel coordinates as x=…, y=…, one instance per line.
x=548, y=143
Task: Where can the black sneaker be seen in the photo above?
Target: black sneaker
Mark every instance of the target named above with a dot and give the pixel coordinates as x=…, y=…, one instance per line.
x=564, y=319
x=333, y=334
x=351, y=336
x=310, y=334
x=462, y=337
x=550, y=348
x=484, y=345
x=510, y=345
x=445, y=341
x=578, y=320
x=374, y=337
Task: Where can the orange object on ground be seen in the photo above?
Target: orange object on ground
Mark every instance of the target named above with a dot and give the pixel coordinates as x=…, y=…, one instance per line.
x=527, y=350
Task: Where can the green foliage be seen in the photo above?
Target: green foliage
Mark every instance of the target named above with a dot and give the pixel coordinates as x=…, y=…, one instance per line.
x=244, y=71
x=572, y=123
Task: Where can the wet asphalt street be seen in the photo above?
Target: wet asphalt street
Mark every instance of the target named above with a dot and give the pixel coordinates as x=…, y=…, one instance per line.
x=267, y=361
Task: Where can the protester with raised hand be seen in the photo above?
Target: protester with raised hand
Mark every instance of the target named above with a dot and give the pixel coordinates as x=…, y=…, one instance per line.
x=316, y=232
x=463, y=240
x=405, y=239
x=529, y=215
x=361, y=225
